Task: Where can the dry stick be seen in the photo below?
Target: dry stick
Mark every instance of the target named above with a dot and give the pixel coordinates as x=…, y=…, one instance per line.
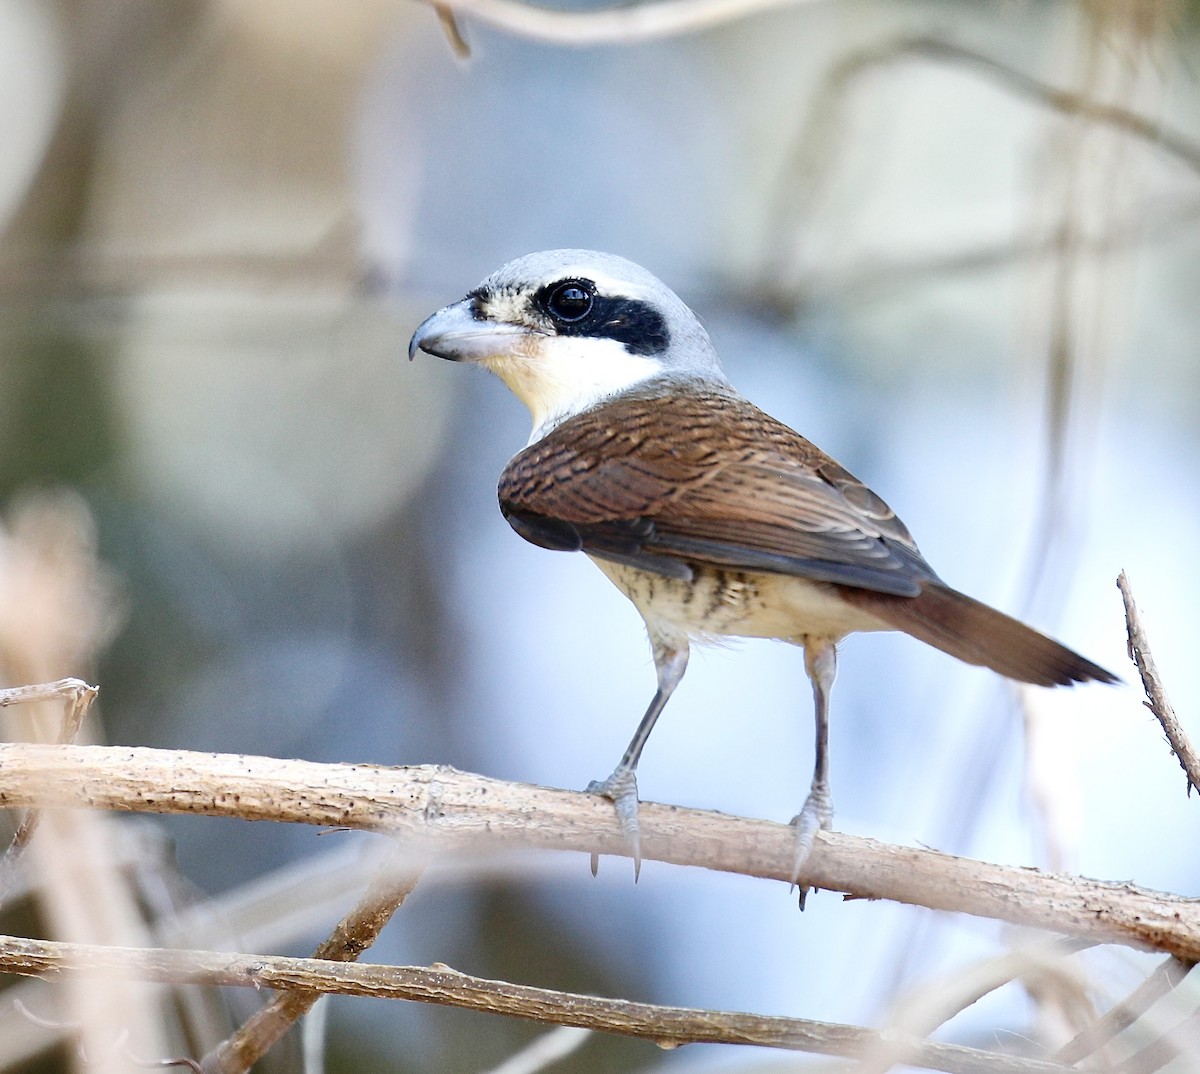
x=360, y=928
x=667, y=1026
x=827, y=114
x=1169, y=141
x=1122, y=1015
x=435, y=809
x=929, y=1006
x=1165, y=1049
x=549, y=1048
x=47, y=691
x=615, y=25
x=1139, y=653
x=1148, y=222
x=78, y=696
x=452, y=31
x=625, y=25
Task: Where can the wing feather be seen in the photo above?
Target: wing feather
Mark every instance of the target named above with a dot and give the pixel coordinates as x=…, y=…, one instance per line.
x=730, y=487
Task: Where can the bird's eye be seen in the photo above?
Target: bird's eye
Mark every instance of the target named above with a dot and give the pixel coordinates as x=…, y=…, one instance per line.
x=570, y=301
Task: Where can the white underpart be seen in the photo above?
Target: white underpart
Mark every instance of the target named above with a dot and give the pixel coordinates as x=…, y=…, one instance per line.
x=719, y=603
x=557, y=377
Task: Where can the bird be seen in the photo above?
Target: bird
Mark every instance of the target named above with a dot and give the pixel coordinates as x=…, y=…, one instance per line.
x=715, y=519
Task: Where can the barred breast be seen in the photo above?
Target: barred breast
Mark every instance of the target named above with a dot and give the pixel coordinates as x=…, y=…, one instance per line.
x=744, y=604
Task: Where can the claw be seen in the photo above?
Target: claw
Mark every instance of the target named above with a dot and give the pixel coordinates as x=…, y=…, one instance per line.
x=816, y=815
x=621, y=789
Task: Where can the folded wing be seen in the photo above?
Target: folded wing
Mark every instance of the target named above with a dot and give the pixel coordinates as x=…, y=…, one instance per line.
x=730, y=487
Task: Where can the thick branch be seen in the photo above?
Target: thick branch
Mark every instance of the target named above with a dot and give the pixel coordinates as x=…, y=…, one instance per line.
x=438, y=810
x=439, y=984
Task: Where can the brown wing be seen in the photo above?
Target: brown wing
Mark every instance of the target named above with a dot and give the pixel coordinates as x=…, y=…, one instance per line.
x=699, y=476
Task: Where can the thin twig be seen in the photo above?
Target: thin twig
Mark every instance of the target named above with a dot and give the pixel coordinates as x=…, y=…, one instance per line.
x=47, y=691
x=356, y=932
x=1178, y=1041
x=668, y=1026
x=1122, y=1015
x=879, y=274
x=1068, y=102
x=550, y=1047
x=451, y=30
x=78, y=696
x=1139, y=653
x=925, y=1009
x=437, y=810
x=822, y=135
x=614, y=25
x=314, y=1030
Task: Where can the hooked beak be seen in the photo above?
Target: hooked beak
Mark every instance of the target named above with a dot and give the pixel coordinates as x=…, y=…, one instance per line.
x=453, y=333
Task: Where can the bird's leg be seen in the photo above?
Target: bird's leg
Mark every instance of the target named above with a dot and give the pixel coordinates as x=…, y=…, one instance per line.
x=820, y=661
x=670, y=661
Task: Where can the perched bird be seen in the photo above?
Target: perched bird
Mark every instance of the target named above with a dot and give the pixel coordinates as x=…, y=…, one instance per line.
x=711, y=516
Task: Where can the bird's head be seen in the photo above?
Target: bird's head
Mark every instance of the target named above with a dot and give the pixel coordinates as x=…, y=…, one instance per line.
x=565, y=329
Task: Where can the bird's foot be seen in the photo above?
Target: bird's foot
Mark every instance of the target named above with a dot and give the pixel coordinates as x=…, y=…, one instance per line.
x=621, y=789
x=816, y=815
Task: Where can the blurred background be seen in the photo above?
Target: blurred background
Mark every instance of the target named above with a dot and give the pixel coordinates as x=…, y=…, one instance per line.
x=956, y=244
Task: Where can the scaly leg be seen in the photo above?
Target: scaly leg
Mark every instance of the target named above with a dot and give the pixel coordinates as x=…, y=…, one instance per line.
x=820, y=661
x=670, y=661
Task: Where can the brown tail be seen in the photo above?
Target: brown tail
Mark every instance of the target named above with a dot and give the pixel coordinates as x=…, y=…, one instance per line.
x=976, y=634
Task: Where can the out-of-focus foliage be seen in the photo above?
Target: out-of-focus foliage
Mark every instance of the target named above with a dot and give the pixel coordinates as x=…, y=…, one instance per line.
x=221, y=221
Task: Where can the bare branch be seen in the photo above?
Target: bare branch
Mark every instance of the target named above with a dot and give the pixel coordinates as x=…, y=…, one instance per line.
x=550, y=1047
x=1122, y=1015
x=812, y=172
x=1149, y=219
x=357, y=931
x=615, y=25
x=437, y=810
x=1139, y=653
x=440, y=984
x=78, y=696
x=64, y=689
x=1068, y=102
x=452, y=31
